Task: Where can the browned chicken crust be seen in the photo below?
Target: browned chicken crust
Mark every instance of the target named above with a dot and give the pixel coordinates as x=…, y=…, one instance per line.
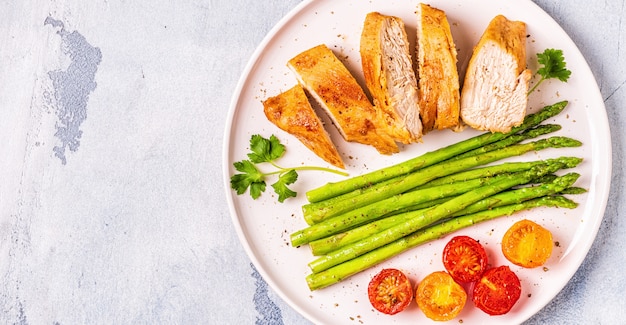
x=438, y=78
x=292, y=112
x=389, y=76
x=494, y=94
x=328, y=80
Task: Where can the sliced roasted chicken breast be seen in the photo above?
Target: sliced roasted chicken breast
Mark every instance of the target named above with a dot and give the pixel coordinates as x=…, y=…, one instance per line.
x=292, y=112
x=330, y=82
x=437, y=74
x=389, y=75
x=494, y=94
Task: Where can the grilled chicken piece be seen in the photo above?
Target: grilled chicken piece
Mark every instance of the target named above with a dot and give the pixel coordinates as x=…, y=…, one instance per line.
x=494, y=94
x=291, y=111
x=389, y=76
x=437, y=75
x=328, y=81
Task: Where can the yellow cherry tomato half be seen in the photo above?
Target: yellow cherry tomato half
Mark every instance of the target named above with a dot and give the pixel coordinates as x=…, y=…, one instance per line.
x=439, y=297
x=527, y=244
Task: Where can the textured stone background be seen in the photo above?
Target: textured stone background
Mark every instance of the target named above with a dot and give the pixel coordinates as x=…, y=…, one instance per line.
x=112, y=209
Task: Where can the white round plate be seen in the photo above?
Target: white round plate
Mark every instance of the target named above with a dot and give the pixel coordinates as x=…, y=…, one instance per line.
x=264, y=225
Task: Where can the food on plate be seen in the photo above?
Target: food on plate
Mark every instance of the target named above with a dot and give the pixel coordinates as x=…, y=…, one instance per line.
x=494, y=92
x=390, y=291
x=363, y=206
x=465, y=259
x=439, y=297
x=263, y=150
x=346, y=260
x=292, y=112
x=527, y=244
x=330, y=82
x=437, y=75
x=389, y=75
x=497, y=291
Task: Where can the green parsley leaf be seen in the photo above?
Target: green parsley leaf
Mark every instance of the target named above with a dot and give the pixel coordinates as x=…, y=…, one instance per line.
x=553, y=67
x=265, y=150
x=250, y=178
x=256, y=189
x=246, y=166
x=276, y=148
x=281, y=188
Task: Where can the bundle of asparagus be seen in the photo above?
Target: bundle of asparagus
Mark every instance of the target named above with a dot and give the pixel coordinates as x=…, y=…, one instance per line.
x=359, y=222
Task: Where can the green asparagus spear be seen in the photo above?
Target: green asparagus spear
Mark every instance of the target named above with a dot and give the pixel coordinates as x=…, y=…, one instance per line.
x=329, y=244
x=428, y=217
x=321, y=210
x=512, y=139
x=312, y=216
x=546, y=178
x=334, y=189
x=558, y=185
x=344, y=270
x=509, y=167
x=574, y=190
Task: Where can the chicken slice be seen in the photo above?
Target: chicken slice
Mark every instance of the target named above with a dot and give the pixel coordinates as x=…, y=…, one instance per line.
x=291, y=111
x=328, y=80
x=437, y=74
x=389, y=75
x=494, y=94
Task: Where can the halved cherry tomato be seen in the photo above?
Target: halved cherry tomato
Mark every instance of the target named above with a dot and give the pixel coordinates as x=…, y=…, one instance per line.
x=465, y=259
x=390, y=291
x=440, y=297
x=527, y=244
x=497, y=291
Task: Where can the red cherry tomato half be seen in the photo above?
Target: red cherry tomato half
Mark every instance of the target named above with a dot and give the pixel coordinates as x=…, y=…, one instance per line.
x=497, y=291
x=390, y=291
x=465, y=259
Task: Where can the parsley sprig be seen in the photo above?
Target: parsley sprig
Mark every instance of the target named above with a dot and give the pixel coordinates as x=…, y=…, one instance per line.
x=553, y=66
x=267, y=151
